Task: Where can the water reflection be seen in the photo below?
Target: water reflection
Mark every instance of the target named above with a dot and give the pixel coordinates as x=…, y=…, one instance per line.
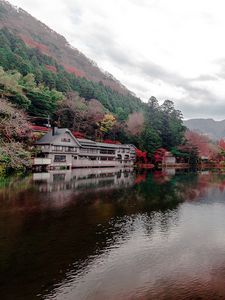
x=112, y=235
x=83, y=179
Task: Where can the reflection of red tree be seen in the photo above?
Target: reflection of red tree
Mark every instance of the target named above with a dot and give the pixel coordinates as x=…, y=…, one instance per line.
x=193, y=194
x=222, y=186
x=202, y=186
x=200, y=189
x=140, y=178
x=160, y=177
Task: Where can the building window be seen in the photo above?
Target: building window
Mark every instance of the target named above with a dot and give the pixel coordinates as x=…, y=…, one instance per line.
x=58, y=177
x=65, y=140
x=60, y=158
x=107, y=151
x=93, y=158
x=57, y=148
x=44, y=147
x=103, y=158
x=72, y=149
x=88, y=150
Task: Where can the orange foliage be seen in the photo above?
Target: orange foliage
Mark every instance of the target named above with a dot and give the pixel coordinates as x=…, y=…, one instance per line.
x=205, y=147
x=51, y=68
x=33, y=44
x=159, y=154
x=222, y=144
x=140, y=178
x=78, y=135
x=111, y=142
x=141, y=154
x=74, y=70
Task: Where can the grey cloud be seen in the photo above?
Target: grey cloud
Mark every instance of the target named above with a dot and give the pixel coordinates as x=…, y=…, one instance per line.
x=205, y=77
x=203, y=109
x=103, y=43
x=221, y=63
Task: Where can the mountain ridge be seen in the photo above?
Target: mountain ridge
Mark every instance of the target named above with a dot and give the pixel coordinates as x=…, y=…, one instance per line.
x=210, y=127
x=36, y=34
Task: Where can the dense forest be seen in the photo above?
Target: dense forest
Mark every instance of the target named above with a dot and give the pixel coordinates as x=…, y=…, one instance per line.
x=38, y=87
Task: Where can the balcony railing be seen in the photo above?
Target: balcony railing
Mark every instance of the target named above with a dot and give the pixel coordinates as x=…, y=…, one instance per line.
x=38, y=161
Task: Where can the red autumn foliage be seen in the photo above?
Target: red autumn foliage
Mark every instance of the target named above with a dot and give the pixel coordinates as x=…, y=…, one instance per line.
x=38, y=128
x=141, y=154
x=159, y=154
x=78, y=135
x=31, y=43
x=111, y=142
x=51, y=68
x=74, y=70
x=222, y=144
x=199, y=141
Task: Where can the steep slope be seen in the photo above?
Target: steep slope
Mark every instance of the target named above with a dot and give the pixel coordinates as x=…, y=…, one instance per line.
x=38, y=35
x=214, y=129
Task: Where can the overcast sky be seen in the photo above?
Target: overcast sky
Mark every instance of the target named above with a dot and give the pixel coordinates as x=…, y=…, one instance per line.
x=170, y=49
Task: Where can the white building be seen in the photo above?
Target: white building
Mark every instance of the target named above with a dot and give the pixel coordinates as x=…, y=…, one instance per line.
x=168, y=159
x=59, y=148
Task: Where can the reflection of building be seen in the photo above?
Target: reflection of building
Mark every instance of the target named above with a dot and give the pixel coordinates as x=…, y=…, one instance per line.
x=80, y=179
x=59, y=148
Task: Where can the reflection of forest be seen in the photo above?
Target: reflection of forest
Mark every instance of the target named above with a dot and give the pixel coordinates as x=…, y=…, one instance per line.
x=48, y=227
x=201, y=184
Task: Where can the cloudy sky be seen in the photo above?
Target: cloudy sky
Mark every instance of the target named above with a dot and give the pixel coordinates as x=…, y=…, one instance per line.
x=170, y=49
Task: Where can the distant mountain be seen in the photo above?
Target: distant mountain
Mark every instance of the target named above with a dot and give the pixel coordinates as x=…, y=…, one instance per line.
x=214, y=129
x=37, y=35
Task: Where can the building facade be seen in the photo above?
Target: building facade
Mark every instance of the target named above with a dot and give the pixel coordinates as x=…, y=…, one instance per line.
x=59, y=148
x=168, y=159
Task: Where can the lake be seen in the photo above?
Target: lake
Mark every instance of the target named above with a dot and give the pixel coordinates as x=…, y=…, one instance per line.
x=112, y=235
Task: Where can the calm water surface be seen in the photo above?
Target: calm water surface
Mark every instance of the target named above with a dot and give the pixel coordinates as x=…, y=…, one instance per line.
x=112, y=235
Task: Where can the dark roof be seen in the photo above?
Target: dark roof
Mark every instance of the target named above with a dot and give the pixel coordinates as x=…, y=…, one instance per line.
x=112, y=145
x=86, y=141
x=48, y=138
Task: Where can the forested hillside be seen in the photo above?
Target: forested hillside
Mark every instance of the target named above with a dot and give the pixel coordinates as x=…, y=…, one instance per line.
x=36, y=83
x=15, y=55
x=35, y=34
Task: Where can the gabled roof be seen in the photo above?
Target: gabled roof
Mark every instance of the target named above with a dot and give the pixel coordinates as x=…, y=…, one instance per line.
x=86, y=142
x=48, y=138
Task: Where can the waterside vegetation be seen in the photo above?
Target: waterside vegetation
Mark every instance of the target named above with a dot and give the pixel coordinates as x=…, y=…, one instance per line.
x=34, y=86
